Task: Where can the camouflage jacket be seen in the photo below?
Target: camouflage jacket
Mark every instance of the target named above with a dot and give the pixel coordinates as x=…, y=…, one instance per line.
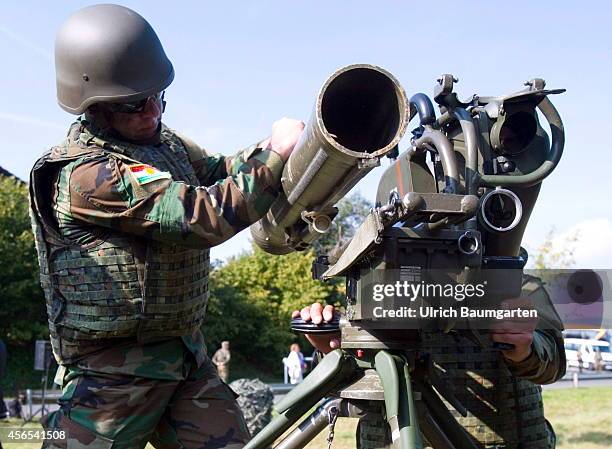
x=123, y=232
x=502, y=398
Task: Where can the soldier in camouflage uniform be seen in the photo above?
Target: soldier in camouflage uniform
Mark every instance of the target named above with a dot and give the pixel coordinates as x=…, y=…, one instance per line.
x=124, y=211
x=500, y=389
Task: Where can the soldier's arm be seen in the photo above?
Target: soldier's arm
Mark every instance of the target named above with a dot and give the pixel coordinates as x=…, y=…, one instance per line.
x=211, y=168
x=285, y=134
x=216, y=167
x=546, y=363
x=110, y=192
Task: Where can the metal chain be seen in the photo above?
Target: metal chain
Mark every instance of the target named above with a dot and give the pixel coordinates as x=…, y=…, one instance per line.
x=332, y=416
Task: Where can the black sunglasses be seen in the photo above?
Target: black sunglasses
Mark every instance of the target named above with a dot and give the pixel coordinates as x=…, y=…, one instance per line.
x=135, y=107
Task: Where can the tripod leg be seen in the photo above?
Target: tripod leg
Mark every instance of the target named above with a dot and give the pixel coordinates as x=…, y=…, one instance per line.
x=409, y=431
x=277, y=427
x=399, y=403
x=321, y=418
x=336, y=367
x=444, y=421
x=310, y=427
x=431, y=430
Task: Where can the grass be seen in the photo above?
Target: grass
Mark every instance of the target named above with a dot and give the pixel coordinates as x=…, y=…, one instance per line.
x=581, y=417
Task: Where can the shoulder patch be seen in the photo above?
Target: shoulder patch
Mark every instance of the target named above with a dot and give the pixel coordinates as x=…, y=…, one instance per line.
x=145, y=173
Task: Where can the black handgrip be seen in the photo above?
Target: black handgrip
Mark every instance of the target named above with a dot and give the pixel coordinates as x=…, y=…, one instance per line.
x=307, y=327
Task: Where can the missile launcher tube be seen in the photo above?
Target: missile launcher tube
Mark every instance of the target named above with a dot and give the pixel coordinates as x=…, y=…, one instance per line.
x=360, y=115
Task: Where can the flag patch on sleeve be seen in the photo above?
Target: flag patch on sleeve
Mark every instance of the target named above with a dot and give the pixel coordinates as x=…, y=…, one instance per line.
x=144, y=173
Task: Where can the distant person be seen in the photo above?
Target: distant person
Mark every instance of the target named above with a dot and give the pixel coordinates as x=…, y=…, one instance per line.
x=295, y=364
x=3, y=357
x=579, y=358
x=15, y=407
x=221, y=360
x=598, y=359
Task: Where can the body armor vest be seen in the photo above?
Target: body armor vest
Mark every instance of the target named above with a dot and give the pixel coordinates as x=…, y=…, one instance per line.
x=503, y=411
x=117, y=286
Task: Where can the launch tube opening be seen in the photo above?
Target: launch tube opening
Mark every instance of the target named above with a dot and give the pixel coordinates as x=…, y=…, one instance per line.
x=359, y=116
x=360, y=109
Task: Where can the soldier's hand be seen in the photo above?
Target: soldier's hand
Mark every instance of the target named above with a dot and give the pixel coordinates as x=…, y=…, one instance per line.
x=318, y=314
x=285, y=134
x=515, y=330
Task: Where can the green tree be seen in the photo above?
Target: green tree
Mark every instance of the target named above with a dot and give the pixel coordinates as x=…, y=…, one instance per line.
x=555, y=256
x=252, y=298
x=22, y=309
x=253, y=295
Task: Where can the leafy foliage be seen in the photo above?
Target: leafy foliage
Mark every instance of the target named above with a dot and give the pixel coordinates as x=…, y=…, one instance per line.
x=19, y=373
x=252, y=298
x=555, y=255
x=22, y=310
x=253, y=295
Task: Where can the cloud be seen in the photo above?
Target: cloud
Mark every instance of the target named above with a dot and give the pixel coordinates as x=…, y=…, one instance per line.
x=30, y=120
x=47, y=55
x=593, y=247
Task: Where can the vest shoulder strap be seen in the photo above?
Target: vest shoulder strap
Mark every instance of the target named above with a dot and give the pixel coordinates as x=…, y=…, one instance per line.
x=194, y=151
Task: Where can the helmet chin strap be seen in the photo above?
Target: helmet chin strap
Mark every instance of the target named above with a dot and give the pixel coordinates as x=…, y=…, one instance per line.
x=99, y=122
x=98, y=119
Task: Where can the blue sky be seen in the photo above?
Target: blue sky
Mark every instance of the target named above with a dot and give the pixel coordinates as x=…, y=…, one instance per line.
x=241, y=65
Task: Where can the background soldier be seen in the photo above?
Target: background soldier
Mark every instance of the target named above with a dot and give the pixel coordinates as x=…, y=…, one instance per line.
x=598, y=359
x=221, y=360
x=579, y=359
x=124, y=211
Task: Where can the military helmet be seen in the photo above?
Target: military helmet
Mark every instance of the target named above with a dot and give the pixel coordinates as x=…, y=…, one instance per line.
x=108, y=53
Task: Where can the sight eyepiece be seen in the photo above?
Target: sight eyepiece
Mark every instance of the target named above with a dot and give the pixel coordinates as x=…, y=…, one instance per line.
x=514, y=130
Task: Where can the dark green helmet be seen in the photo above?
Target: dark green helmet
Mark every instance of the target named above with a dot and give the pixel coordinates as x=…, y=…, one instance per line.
x=108, y=53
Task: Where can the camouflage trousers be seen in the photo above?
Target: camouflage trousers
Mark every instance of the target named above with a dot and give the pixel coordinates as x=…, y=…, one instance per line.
x=111, y=411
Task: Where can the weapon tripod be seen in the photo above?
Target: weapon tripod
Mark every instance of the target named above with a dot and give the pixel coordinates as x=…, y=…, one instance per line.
x=391, y=379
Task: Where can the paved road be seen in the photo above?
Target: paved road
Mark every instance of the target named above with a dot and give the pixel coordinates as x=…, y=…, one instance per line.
x=585, y=379
x=582, y=383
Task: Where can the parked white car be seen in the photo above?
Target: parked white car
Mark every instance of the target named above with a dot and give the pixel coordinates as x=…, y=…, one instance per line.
x=588, y=349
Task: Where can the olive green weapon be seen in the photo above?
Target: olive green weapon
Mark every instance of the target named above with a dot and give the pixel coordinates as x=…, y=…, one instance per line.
x=457, y=200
